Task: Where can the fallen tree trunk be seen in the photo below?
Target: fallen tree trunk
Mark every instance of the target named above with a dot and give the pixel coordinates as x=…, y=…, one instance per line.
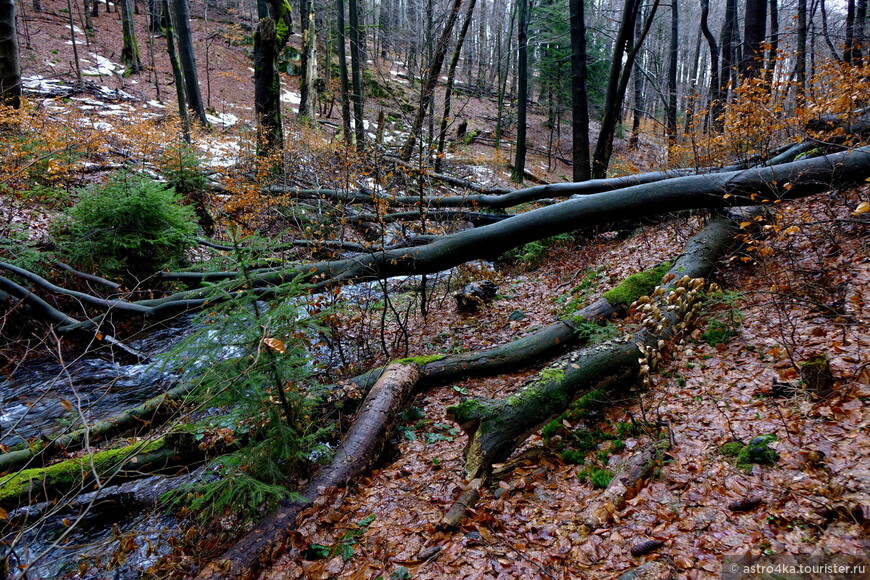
x=145, y=415
x=359, y=449
x=496, y=427
x=89, y=472
x=626, y=484
x=436, y=370
x=714, y=191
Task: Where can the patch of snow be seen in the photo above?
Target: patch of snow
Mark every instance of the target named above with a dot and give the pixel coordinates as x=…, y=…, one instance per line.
x=104, y=67
x=108, y=93
x=222, y=119
x=42, y=85
x=156, y=104
x=291, y=97
x=222, y=153
x=103, y=126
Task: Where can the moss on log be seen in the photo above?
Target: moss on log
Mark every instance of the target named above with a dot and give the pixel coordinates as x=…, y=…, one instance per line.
x=85, y=473
x=496, y=427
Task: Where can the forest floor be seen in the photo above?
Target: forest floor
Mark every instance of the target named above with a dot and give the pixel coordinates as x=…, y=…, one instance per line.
x=799, y=289
x=800, y=293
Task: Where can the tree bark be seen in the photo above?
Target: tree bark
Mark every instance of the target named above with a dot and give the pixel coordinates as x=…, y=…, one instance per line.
x=800, y=67
x=130, y=48
x=771, y=59
x=451, y=77
x=273, y=31
x=177, y=73
x=672, y=73
x=342, y=72
x=307, y=88
x=522, y=89
x=356, y=71
x=617, y=84
x=359, y=449
x=187, y=57
x=754, y=29
x=581, y=169
x=716, y=99
x=626, y=484
x=10, y=61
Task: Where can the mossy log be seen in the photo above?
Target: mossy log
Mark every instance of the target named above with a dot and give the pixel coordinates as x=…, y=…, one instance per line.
x=496, y=427
x=360, y=448
x=88, y=472
x=142, y=416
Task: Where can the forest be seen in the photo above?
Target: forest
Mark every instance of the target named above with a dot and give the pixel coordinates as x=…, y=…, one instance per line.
x=434, y=288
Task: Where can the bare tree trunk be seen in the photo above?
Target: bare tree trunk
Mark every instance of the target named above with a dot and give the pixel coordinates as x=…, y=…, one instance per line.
x=10, y=61
x=754, y=29
x=307, y=89
x=342, y=72
x=849, y=45
x=269, y=41
x=177, y=73
x=503, y=69
x=672, y=73
x=620, y=71
x=581, y=170
x=522, y=90
x=187, y=56
x=356, y=71
x=451, y=77
x=800, y=68
x=130, y=49
x=431, y=80
x=716, y=97
x=72, y=35
x=771, y=60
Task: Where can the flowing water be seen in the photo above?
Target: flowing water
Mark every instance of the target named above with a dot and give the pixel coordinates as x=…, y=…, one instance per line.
x=48, y=398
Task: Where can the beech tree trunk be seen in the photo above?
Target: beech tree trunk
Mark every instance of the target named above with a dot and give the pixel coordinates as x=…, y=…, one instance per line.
x=581, y=168
x=451, y=77
x=177, y=72
x=754, y=28
x=10, y=62
x=187, y=57
x=716, y=98
x=271, y=36
x=624, y=55
x=130, y=48
x=522, y=90
x=342, y=72
x=431, y=80
x=356, y=65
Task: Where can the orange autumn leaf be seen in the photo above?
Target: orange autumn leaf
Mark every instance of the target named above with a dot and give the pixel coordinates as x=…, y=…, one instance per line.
x=275, y=345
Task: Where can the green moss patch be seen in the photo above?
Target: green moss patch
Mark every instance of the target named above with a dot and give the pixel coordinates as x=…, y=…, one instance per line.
x=71, y=472
x=421, y=360
x=637, y=285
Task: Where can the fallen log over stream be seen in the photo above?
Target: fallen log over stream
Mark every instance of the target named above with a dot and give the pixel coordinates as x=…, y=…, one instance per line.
x=360, y=448
x=755, y=186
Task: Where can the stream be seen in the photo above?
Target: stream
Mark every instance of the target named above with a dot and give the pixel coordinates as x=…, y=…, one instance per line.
x=112, y=535
x=48, y=398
